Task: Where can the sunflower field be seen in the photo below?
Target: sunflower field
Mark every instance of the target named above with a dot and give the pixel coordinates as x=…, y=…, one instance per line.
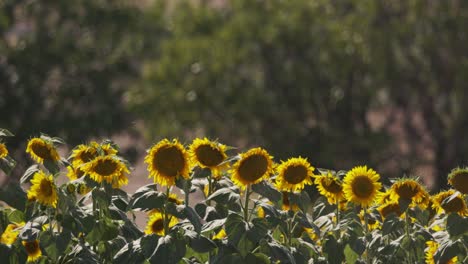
x=212, y=204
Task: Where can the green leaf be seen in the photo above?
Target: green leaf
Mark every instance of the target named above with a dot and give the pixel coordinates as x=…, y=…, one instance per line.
x=148, y=243
x=7, y=164
x=16, y=216
x=301, y=199
x=104, y=230
x=29, y=173
x=13, y=195
x=5, y=133
x=235, y=227
x=350, y=255
x=52, y=167
x=130, y=253
x=457, y=225
x=448, y=250
x=280, y=252
x=212, y=225
x=225, y=196
x=333, y=250
x=194, y=218
x=257, y=230
x=392, y=224
x=266, y=190
x=256, y=258
x=201, y=244
x=147, y=201
x=169, y=250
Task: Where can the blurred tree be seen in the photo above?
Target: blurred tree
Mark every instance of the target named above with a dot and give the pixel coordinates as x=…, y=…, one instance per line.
x=420, y=56
x=288, y=75
x=301, y=77
x=64, y=66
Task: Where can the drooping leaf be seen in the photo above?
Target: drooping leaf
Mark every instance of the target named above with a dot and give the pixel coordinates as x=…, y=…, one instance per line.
x=13, y=195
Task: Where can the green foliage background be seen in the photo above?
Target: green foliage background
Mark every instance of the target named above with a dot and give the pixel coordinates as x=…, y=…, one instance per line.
x=298, y=77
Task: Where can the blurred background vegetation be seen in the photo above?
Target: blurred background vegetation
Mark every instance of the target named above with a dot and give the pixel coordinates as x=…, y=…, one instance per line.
x=343, y=83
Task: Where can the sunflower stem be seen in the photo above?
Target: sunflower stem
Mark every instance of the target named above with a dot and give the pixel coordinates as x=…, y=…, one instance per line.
x=210, y=188
x=246, y=203
x=407, y=227
x=187, y=191
x=366, y=223
x=49, y=215
x=166, y=218
x=337, y=216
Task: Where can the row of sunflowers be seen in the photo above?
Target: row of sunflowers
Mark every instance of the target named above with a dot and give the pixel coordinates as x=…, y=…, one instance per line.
x=234, y=207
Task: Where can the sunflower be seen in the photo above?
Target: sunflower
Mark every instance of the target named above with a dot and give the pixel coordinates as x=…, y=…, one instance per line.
x=384, y=197
x=456, y=204
x=174, y=199
x=208, y=154
x=104, y=148
x=156, y=223
x=372, y=222
x=3, y=151
x=294, y=174
x=252, y=167
x=330, y=186
x=74, y=173
x=361, y=185
x=388, y=208
x=220, y=235
x=408, y=189
x=286, y=204
x=120, y=181
x=458, y=178
x=108, y=169
x=260, y=212
x=431, y=250
x=167, y=161
x=83, y=189
x=11, y=233
x=83, y=154
x=41, y=150
x=43, y=189
x=33, y=250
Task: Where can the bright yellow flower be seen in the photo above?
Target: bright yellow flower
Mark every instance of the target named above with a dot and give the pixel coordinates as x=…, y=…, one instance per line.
x=286, y=204
x=260, y=212
x=120, y=181
x=41, y=150
x=174, y=199
x=458, y=178
x=74, y=173
x=3, y=151
x=330, y=186
x=83, y=189
x=253, y=166
x=455, y=205
x=108, y=169
x=156, y=223
x=83, y=154
x=431, y=250
x=220, y=235
x=208, y=154
x=167, y=161
x=388, y=208
x=384, y=197
x=43, y=189
x=33, y=250
x=311, y=233
x=11, y=233
x=409, y=189
x=294, y=174
x=361, y=185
